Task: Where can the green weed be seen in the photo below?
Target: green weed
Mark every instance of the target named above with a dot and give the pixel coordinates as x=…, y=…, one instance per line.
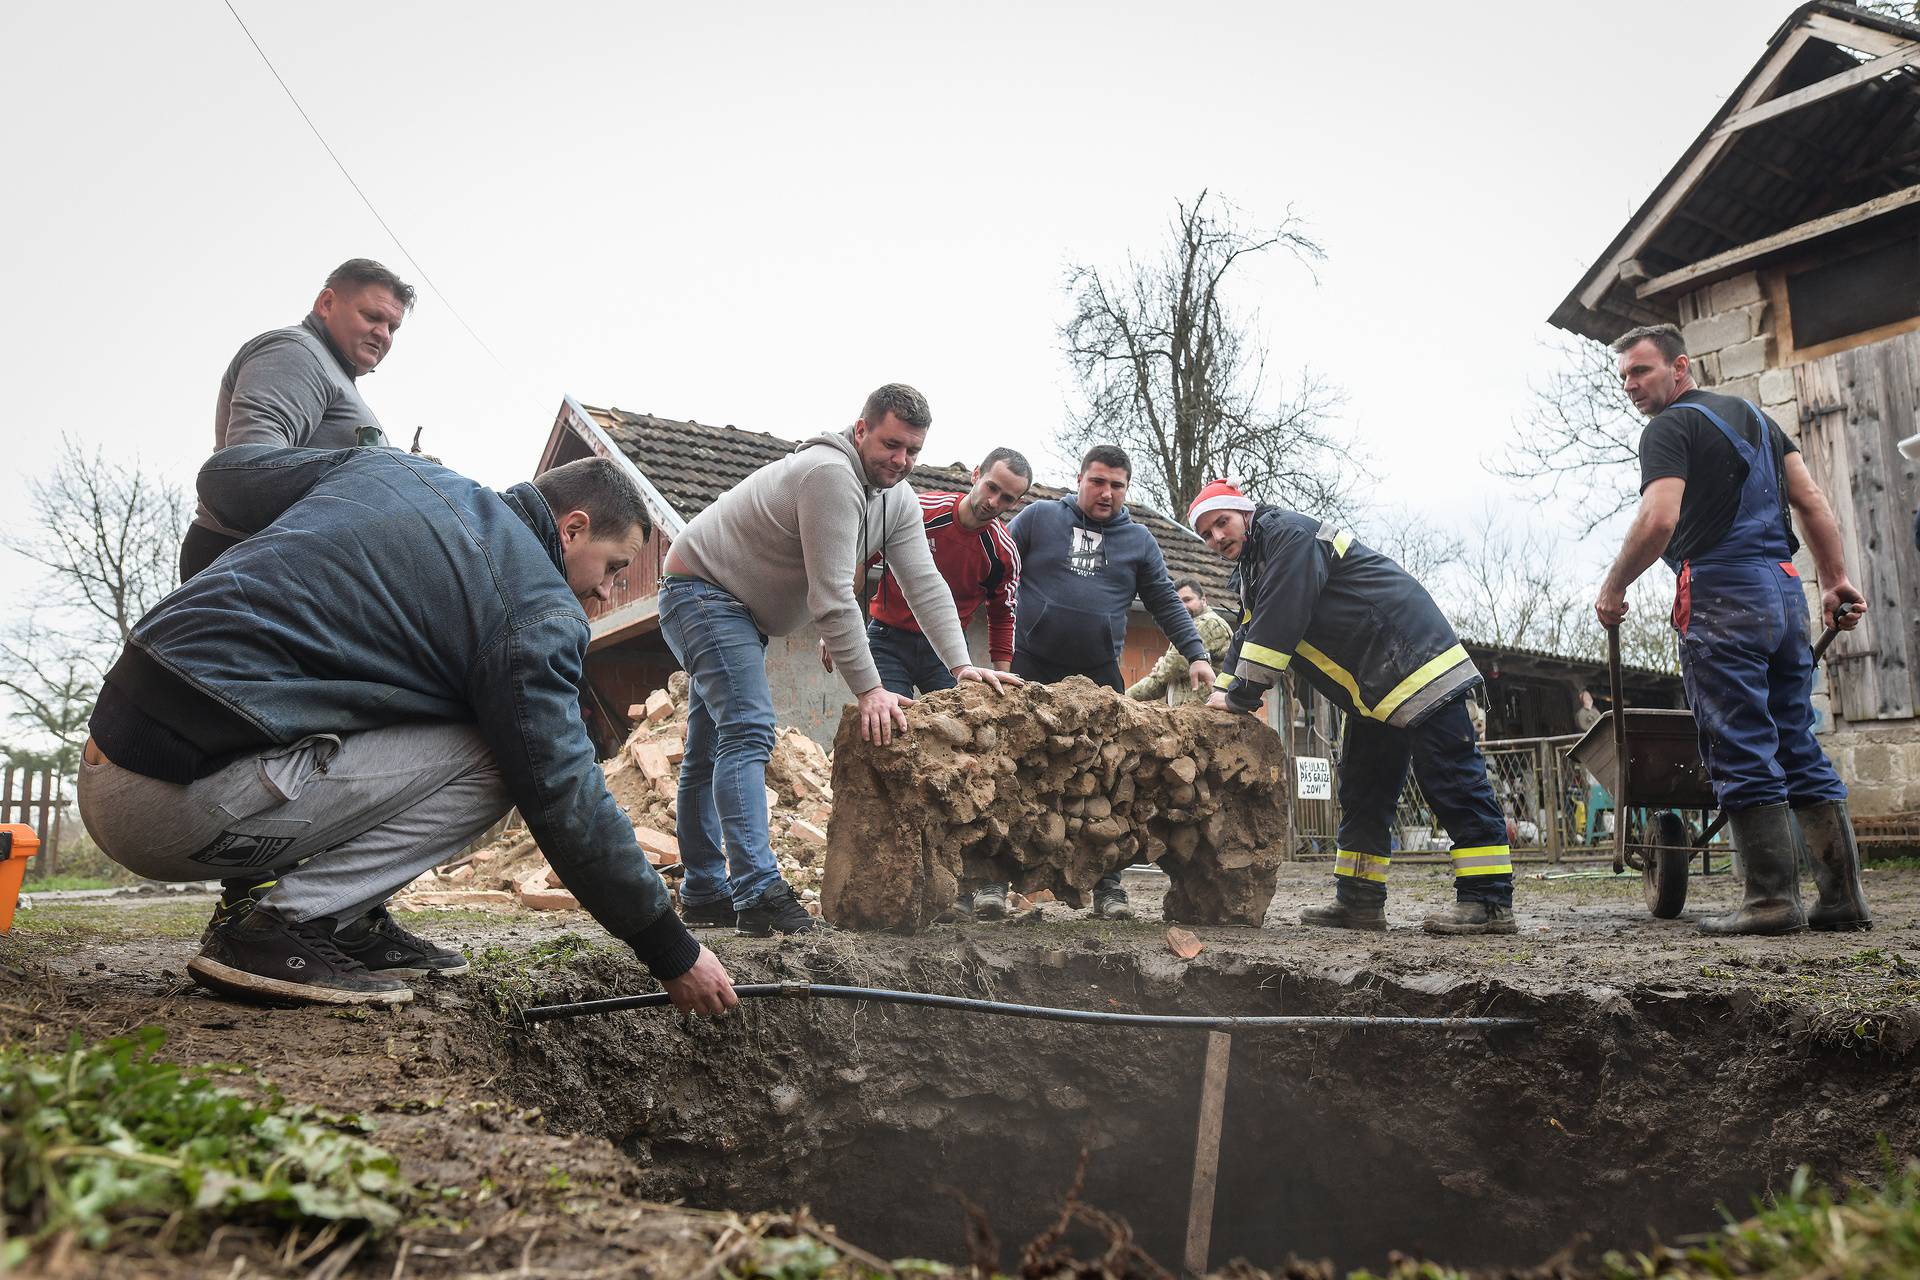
x=109, y=1141
x=1870, y=1232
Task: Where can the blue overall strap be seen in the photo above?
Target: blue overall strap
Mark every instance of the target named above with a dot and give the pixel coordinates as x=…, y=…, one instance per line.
x=1761, y=469
x=1734, y=438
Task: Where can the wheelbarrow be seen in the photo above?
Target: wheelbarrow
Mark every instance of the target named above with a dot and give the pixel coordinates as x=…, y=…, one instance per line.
x=1648, y=759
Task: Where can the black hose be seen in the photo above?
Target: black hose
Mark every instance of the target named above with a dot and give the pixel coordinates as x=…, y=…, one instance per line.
x=823, y=991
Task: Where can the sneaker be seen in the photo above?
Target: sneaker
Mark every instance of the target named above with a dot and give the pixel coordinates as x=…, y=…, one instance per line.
x=717, y=914
x=1469, y=918
x=777, y=911
x=1371, y=917
x=990, y=902
x=1112, y=904
x=237, y=897
x=380, y=944
x=265, y=956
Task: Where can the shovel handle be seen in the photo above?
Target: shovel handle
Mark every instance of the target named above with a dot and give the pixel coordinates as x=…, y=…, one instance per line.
x=1827, y=636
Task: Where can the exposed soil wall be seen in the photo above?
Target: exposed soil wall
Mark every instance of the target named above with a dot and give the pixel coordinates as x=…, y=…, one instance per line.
x=1632, y=1111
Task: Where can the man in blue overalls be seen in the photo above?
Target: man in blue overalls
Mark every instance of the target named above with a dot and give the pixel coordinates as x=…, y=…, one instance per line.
x=1716, y=481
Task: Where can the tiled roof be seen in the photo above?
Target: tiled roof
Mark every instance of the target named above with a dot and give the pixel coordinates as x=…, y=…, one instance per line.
x=692, y=464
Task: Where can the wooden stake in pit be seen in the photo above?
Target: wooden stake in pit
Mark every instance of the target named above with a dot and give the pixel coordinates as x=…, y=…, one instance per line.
x=1206, y=1154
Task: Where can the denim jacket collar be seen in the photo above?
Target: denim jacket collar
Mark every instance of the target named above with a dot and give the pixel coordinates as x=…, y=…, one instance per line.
x=530, y=505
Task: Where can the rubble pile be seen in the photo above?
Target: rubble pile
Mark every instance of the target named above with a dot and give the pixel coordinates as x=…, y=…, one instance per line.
x=644, y=777
x=1051, y=787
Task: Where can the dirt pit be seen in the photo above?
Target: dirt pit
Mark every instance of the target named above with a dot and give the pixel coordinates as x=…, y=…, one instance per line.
x=1666, y=1075
x=1640, y=1110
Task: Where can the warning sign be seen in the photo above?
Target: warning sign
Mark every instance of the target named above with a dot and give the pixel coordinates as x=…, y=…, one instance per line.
x=1316, y=777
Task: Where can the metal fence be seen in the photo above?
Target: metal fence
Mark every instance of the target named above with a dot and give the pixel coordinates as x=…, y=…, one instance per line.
x=1554, y=808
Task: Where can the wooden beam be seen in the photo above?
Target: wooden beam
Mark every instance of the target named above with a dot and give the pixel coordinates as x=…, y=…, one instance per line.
x=1682, y=184
x=1851, y=35
x=1206, y=1154
x=1907, y=55
x=630, y=619
x=1720, y=263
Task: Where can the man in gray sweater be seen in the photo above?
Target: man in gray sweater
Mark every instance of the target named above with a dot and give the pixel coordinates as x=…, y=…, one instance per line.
x=296, y=387
x=781, y=548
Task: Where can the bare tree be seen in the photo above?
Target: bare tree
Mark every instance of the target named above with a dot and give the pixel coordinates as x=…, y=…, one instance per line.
x=1579, y=441
x=1173, y=374
x=107, y=533
x=52, y=684
x=1514, y=587
x=1422, y=548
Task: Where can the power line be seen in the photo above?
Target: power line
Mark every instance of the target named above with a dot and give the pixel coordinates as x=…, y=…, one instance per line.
x=339, y=164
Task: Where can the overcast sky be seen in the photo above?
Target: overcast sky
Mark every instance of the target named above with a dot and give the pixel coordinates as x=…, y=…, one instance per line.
x=753, y=214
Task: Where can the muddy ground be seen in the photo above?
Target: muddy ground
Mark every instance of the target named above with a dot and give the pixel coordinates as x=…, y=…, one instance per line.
x=1666, y=1075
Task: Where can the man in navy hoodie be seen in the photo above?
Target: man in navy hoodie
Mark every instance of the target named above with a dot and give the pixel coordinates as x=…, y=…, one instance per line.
x=1083, y=561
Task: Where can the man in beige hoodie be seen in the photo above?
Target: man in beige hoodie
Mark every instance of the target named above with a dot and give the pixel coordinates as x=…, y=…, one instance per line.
x=784, y=547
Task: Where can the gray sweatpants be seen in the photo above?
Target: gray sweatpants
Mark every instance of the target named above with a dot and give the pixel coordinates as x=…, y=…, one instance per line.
x=342, y=822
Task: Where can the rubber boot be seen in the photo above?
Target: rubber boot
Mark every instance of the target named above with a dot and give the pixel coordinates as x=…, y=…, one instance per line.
x=1836, y=867
x=1470, y=917
x=1356, y=904
x=1765, y=837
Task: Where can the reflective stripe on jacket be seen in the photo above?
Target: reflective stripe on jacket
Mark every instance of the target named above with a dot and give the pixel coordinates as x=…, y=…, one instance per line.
x=1367, y=634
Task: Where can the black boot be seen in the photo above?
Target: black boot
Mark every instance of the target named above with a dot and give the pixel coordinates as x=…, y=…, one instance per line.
x=1357, y=904
x=1765, y=837
x=377, y=941
x=717, y=914
x=777, y=910
x=1472, y=916
x=237, y=897
x=1836, y=866
x=265, y=956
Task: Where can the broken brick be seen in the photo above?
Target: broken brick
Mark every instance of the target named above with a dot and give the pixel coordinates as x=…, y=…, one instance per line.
x=650, y=760
x=661, y=849
x=659, y=706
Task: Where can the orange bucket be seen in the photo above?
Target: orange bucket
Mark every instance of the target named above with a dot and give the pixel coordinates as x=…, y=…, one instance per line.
x=17, y=844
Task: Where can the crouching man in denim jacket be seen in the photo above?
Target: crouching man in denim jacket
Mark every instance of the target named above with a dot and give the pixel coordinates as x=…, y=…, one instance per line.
x=389, y=661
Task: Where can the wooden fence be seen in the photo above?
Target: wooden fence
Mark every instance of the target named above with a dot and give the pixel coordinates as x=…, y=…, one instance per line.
x=35, y=799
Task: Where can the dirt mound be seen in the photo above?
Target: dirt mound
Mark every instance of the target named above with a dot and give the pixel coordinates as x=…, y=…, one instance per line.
x=1051, y=787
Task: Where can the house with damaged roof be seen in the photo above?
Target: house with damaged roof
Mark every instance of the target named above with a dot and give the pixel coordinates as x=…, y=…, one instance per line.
x=1785, y=242
x=681, y=468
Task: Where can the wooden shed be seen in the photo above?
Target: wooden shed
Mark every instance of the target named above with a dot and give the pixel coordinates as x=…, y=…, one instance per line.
x=1785, y=241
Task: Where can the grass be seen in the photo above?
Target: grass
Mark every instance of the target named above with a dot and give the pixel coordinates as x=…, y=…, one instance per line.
x=1810, y=1231
x=55, y=927
x=1855, y=1003
x=111, y=1144
x=64, y=883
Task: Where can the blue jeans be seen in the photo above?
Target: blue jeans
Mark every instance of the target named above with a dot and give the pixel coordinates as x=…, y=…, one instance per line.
x=906, y=661
x=730, y=729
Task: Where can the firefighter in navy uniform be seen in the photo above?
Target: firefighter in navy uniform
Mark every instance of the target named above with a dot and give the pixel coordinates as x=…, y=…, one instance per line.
x=1717, y=479
x=1371, y=639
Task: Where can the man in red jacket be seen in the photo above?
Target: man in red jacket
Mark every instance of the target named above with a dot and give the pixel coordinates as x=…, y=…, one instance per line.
x=975, y=554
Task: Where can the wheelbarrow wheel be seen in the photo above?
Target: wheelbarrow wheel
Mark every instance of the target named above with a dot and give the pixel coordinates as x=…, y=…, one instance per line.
x=1663, y=868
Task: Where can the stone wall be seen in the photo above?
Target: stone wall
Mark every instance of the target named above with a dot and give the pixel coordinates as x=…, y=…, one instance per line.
x=1050, y=787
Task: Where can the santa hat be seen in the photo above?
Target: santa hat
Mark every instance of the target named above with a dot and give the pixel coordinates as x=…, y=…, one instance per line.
x=1219, y=495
